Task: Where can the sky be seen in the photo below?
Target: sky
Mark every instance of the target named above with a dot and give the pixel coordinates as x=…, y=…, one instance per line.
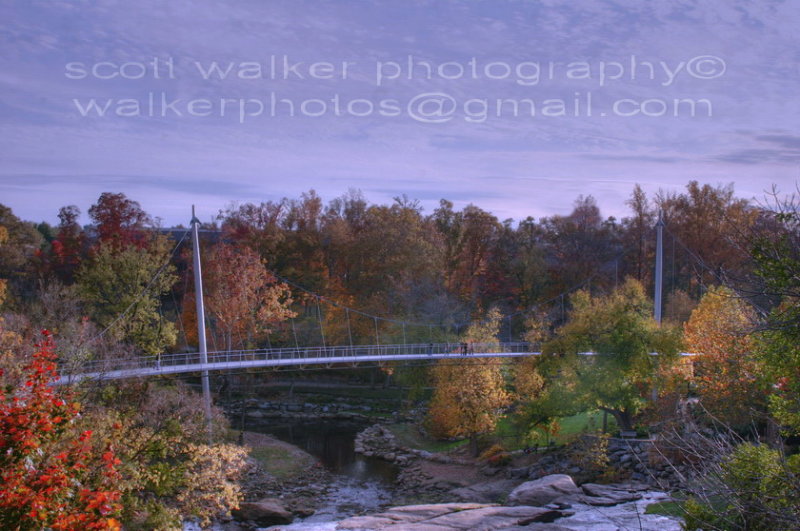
x=515, y=106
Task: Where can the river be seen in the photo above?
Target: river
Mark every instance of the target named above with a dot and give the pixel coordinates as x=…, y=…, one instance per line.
x=362, y=484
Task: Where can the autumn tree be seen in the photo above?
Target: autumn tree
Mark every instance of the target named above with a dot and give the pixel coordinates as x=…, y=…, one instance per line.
x=469, y=394
x=638, y=235
x=66, y=250
x=580, y=245
x=119, y=221
x=243, y=298
x=619, y=330
x=122, y=288
x=709, y=221
x=469, y=237
x=727, y=373
x=19, y=242
x=53, y=475
x=169, y=471
x=529, y=384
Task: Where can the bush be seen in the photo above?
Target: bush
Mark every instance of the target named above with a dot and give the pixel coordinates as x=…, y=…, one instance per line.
x=495, y=455
x=753, y=488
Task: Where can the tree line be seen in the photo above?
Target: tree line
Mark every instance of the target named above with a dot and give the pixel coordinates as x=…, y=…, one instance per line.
x=294, y=271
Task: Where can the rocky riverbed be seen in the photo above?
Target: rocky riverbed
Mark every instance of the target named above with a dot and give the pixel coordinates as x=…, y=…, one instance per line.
x=551, y=503
x=439, y=491
x=460, y=493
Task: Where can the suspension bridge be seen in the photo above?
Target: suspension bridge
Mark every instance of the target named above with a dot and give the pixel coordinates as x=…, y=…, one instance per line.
x=205, y=361
x=330, y=356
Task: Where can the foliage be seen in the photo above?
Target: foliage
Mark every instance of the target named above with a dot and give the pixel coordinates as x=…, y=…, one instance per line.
x=756, y=489
x=243, y=298
x=495, y=455
x=122, y=289
x=19, y=242
x=169, y=470
x=620, y=332
x=777, y=257
x=727, y=374
x=54, y=474
x=120, y=222
x=469, y=394
x=529, y=384
x=590, y=453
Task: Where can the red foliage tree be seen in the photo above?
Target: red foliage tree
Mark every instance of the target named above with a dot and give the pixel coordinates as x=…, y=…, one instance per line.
x=52, y=475
x=119, y=221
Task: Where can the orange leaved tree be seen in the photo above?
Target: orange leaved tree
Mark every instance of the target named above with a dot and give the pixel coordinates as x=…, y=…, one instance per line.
x=727, y=374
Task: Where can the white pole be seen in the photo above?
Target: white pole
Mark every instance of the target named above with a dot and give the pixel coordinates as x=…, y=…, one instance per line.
x=659, y=267
x=658, y=287
x=201, y=320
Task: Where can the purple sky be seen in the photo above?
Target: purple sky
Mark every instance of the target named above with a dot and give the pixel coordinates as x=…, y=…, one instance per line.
x=486, y=114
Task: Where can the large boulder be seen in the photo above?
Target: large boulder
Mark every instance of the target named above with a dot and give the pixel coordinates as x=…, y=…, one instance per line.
x=490, y=492
x=607, y=495
x=544, y=490
x=266, y=512
x=450, y=516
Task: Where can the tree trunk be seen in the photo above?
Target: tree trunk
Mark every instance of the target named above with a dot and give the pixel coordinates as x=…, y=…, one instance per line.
x=623, y=418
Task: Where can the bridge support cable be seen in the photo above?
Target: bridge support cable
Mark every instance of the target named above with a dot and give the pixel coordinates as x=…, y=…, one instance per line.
x=294, y=333
x=321, y=327
x=377, y=335
x=201, y=321
x=349, y=330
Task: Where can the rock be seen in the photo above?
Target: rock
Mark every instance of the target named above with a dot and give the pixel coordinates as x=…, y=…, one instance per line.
x=543, y=491
x=269, y=511
x=607, y=495
x=518, y=472
x=495, y=517
x=451, y=516
x=491, y=492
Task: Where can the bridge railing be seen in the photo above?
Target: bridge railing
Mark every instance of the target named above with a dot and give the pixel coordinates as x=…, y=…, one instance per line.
x=336, y=354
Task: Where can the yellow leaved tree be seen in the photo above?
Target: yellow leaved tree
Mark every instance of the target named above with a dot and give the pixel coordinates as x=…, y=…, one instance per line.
x=469, y=394
x=726, y=373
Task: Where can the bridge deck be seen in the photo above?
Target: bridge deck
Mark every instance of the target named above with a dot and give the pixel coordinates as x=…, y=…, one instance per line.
x=285, y=357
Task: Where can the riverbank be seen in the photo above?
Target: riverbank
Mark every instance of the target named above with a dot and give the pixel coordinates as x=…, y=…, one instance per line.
x=288, y=478
x=320, y=495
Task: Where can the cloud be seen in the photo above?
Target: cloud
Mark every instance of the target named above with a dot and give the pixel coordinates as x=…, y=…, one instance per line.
x=515, y=165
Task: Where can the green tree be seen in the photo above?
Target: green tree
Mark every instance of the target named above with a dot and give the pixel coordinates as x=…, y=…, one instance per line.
x=122, y=289
x=619, y=330
x=777, y=256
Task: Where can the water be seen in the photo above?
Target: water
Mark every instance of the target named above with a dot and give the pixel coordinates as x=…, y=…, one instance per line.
x=332, y=442
x=361, y=484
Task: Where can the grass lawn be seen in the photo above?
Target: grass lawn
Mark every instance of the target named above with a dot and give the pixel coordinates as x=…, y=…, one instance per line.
x=280, y=459
x=570, y=428
x=666, y=508
x=408, y=435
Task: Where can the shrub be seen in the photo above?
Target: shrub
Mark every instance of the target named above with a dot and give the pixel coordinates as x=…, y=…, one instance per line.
x=53, y=473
